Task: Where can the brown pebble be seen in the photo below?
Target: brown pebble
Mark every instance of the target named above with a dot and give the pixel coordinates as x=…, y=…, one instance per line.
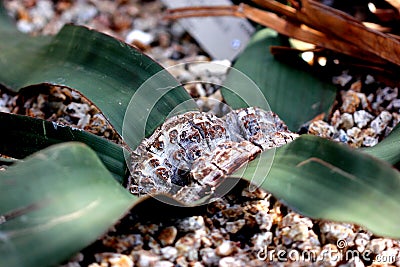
x=168, y=235
x=351, y=101
x=121, y=21
x=122, y=261
x=356, y=86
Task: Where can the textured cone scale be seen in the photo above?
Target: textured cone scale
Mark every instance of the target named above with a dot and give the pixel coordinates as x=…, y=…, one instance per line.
x=190, y=154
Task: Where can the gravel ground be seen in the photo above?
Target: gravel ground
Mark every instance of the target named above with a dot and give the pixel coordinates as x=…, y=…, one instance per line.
x=239, y=228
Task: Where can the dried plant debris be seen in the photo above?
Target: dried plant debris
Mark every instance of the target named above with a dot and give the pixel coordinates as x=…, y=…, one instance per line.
x=326, y=27
x=367, y=111
x=198, y=149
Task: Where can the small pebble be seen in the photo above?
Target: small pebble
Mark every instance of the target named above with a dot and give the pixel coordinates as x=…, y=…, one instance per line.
x=321, y=128
x=122, y=261
x=379, y=123
x=146, y=258
x=351, y=102
x=169, y=253
x=225, y=249
x=361, y=118
x=230, y=262
x=140, y=36
x=346, y=121
x=163, y=264
x=191, y=224
x=167, y=235
x=187, y=246
x=342, y=79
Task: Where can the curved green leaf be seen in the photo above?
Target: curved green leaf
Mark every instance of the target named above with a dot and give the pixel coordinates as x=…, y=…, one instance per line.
x=153, y=101
x=55, y=203
x=388, y=149
x=295, y=95
x=21, y=136
x=107, y=71
x=326, y=180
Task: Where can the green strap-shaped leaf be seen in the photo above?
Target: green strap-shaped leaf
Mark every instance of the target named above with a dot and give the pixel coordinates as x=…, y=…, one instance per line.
x=107, y=71
x=388, y=149
x=323, y=179
x=295, y=95
x=55, y=203
x=21, y=136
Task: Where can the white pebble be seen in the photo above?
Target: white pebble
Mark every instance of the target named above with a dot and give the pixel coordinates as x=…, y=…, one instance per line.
x=342, y=79
x=230, y=262
x=346, y=121
x=209, y=257
x=225, y=249
x=362, y=117
x=42, y=13
x=369, y=79
x=394, y=104
x=80, y=13
x=169, y=253
x=206, y=69
x=262, y=239
x=141, y=36
x=343, y=136
x=386, y=94
x=370, y=141
x=147, y=259
x=163, y=264
x=379, y=123
x=25, y=26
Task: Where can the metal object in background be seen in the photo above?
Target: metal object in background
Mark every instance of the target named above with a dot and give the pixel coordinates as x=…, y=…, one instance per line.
x=220, y=37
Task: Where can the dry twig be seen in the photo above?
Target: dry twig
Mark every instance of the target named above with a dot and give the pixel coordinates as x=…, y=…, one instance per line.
x=314, y=23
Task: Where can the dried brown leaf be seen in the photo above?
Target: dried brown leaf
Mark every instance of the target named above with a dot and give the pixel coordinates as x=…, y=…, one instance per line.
x=313, y=23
